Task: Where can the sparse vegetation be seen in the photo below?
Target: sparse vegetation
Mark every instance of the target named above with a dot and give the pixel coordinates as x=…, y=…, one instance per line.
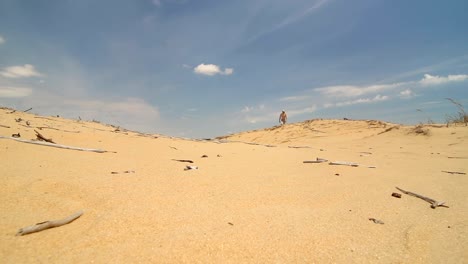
x=460, y=118
x=429, y=119
x=419, y=129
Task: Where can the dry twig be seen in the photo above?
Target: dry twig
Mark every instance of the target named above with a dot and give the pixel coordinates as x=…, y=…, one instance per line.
x=41, y=137
x=189, y=161
x=48, y=224
x=434, y=203
x=56, y=145
x=454, y=172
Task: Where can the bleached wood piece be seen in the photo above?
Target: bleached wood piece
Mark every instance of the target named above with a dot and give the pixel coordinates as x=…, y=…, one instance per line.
x=318, y=160
x=346, y=163
x=454, y=172
x=48, y=224
x=434, y=203
x=55, y=145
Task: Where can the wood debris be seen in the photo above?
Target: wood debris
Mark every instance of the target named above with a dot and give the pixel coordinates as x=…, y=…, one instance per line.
x=454, y=172
x=434, y=203
x=377, y=221
x=56, y=145
x=182, y=160
x=48, y=224
x=345, y=163
x=317, y=160
x=41, y=137
x=127, y=171
x=191, y=167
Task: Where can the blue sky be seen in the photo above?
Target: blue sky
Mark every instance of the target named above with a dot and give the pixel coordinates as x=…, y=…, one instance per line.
x=207, y=68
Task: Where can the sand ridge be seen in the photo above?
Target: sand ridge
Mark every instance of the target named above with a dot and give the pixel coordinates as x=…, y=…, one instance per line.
x=252, y=200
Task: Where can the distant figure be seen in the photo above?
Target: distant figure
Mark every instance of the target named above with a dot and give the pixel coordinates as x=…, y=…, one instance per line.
x=283, y=118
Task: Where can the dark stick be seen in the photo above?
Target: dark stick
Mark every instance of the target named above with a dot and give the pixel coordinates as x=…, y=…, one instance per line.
x=434, y=203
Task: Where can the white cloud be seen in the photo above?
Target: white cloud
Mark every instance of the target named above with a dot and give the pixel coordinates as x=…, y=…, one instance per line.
x=353, y=91
x=133, y=107
x=212, y=69
x=14, y=92
x=246, y=109
x=228, y=71
x=302, y=111
x=406, y=94
x=2, y=39
x=294, y=98
x=435, y=80
x=377, y=98
x=261, y=113
x=26, y=70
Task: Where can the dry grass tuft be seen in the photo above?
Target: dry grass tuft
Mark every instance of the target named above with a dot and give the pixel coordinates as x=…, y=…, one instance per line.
x=420, y=130
x=460, y=118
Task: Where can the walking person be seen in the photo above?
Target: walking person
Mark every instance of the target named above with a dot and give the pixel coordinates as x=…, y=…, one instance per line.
x=283, y=118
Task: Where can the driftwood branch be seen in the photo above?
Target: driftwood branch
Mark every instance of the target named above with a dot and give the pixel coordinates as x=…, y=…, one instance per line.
x=318, y=160
x=454, y=172
x=352, y=164
x=55, y=145
x=346, y=163
x=434, y=203
x=127, y=171
x=48, y=224
x=46, y=127
x=189, y=161
x=27, y=110
x=41, y=137
x=4, y=126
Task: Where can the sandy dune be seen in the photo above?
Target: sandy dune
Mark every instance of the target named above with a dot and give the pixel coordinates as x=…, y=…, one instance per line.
x=252, y=200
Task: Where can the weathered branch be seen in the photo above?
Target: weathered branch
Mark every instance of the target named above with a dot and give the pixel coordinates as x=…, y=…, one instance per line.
x=41, y=137
x=4, y=126
x=346, y=163
x=454, y=172
x=434, y=203
x=46, y=127
x=352, y=164
x=189, y=161
x=55, y=145
x=48, y=224
x=318, y=160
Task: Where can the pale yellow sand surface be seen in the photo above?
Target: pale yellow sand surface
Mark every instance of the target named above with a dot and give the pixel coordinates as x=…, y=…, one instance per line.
x=247, y=203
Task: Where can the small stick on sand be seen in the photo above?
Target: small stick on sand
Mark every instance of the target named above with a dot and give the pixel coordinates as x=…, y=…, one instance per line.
x=48, y=224
x=318, y=160
x=189, y=161
x=4, y=126
x=377, y=221
x=41, y=137
x=127, y=171
x=56, y=145
x=346, y=163
x=454, y=172
x=434, y=203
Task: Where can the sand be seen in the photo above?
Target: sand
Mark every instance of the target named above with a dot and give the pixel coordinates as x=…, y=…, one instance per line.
x=252, y=200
